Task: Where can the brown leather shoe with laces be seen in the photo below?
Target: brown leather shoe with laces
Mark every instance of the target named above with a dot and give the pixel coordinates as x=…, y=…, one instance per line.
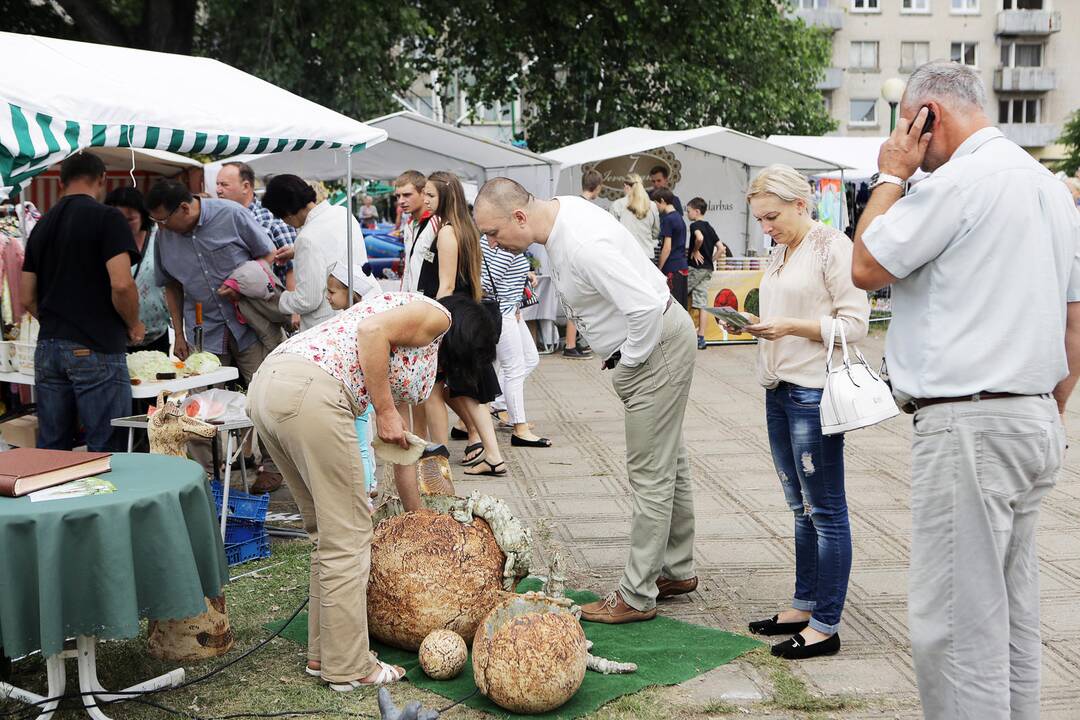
x=266, y=482
x=614, y=611
x=670, y=588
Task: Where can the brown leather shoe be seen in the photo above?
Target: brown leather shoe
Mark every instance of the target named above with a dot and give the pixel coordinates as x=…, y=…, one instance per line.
x=266, y=482
x=614, y=611
x=671, y=588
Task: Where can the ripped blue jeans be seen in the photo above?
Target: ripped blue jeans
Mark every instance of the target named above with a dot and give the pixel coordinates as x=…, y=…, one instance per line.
x=811, y=470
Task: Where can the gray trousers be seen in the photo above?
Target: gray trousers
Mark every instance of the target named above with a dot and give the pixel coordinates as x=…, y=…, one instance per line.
x=979, y=471
x=654, y=396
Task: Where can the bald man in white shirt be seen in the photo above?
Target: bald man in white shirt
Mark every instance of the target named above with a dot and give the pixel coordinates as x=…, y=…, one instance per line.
x=621, y=302
x=984, y=262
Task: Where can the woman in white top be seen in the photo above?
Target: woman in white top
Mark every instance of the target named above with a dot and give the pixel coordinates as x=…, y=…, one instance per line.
x=321, y=241
x=638, y=214
x=806, y=287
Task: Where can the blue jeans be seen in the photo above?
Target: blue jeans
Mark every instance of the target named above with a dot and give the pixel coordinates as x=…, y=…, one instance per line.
x=811, y=470
x=75, y=383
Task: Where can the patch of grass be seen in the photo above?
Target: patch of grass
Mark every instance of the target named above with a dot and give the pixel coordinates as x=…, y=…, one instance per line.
x=791, y=693
x=719, y=707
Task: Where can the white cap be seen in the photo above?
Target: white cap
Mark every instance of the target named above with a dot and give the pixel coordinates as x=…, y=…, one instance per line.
x=362, y=282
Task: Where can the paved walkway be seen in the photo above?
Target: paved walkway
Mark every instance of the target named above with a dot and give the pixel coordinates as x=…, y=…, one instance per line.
x=745, y=546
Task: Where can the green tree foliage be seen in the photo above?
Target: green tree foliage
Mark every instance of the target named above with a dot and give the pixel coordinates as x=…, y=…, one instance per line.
x=743, y=64
x=1070, y=138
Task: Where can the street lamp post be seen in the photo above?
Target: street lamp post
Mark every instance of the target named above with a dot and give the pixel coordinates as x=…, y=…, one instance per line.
x=893, y=91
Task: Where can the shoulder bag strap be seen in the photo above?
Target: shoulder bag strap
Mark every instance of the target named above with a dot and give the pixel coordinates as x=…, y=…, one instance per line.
x=494, y=290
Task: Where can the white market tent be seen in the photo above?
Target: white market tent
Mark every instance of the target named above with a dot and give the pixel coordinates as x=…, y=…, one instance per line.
x=418, y=143
x=711, y=162
x=82, y=95
x=858, y=153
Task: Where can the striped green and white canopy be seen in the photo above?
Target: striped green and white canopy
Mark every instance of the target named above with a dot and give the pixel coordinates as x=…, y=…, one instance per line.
x=79, y=95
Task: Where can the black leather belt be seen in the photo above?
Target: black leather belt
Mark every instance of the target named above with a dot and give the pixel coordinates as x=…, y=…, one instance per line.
x=915, y=404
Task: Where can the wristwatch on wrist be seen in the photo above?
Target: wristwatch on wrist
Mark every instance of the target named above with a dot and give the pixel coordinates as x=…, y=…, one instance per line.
x=879, y=178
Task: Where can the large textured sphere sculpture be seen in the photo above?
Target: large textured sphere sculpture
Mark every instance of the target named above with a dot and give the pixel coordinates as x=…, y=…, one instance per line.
x=443, y=654
x=431, y=572
x=529, y=654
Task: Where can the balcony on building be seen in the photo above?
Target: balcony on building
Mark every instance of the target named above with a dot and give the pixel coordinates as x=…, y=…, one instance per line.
x=1025, y=79
x=1030, y=135
x=826, y=18
x=833, y=79
x=1028, y=22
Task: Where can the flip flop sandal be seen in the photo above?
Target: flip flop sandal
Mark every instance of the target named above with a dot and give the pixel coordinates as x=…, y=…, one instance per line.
x=387, y=674
x=492, y=471
x=458, y=434
x=469, y=450
x=522, y=442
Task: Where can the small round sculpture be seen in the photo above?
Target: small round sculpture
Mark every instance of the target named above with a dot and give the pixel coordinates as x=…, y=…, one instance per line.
x=443, y=654
x=529, y=654
x=430, y=572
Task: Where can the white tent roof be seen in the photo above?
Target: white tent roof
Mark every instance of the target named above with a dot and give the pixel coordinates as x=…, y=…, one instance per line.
x=418, y=143
x=80, y=95
x=158, y=162
x=712, y=139
x=860, y=153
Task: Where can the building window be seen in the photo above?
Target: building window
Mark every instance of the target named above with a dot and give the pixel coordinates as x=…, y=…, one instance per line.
x=812, y=4
x=865, y=6
x=964, y=53
x=1019, y=111
x=913, y=54
x=864, y=112
x=915, y=6
x=1022, y=4
x=826, y=102
x=965, y=6
x=1014, y=54
x=864, y=56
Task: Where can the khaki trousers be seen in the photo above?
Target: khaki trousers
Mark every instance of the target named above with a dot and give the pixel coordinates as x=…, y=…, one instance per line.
x=306, y=418
x=654, y=396
x=979, y=473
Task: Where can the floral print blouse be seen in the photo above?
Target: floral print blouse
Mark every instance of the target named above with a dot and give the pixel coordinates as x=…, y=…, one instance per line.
x=332, y=345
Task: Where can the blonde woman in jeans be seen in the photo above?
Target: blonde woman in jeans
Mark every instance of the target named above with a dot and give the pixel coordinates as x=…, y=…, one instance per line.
x=806, y=286
x=638, y=214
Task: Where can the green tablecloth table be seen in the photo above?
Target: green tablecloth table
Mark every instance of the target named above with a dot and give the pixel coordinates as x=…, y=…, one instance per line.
x=93, y=566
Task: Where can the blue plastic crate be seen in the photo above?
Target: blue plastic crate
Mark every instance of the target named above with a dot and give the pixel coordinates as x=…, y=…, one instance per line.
x=253, y=549
x=241, y=532
x=242, y=505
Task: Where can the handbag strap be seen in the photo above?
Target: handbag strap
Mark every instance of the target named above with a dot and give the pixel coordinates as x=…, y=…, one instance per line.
x=495, y=290
x=832, y=348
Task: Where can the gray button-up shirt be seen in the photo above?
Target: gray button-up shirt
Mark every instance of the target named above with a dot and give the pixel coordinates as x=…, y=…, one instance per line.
x=226, y=236
x=987, y=255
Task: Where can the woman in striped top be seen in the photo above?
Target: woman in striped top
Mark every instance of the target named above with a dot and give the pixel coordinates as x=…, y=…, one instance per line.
x=504, y=276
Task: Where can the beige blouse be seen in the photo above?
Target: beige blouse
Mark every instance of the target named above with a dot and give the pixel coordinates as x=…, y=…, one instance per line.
x=813, y=283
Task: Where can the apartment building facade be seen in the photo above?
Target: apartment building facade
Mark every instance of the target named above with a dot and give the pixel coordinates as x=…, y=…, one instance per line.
x=1019, y=47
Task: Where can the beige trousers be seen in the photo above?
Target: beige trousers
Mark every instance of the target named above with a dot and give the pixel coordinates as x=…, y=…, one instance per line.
x=306, y=418
x=662, y=527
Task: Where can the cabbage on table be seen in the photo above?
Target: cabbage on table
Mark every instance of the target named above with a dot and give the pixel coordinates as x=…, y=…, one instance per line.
x=146, y=364
x=201, y=363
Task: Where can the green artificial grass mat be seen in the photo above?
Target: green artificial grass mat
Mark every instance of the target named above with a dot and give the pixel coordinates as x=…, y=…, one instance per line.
x=667, y=652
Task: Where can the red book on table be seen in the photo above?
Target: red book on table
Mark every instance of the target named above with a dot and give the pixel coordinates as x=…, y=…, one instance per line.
x=24, y=470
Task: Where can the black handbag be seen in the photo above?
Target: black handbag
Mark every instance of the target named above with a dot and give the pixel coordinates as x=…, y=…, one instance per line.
x=491, y=304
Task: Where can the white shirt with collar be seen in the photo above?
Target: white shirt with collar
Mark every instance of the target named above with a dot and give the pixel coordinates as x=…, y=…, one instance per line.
x=610, y=290
x=987, y=252
x=320, y=243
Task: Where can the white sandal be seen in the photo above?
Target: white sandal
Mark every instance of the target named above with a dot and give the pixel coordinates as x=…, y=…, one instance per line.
x=387, y=674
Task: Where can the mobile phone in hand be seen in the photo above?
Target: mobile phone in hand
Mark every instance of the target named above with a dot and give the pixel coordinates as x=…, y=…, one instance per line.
x=929, y=120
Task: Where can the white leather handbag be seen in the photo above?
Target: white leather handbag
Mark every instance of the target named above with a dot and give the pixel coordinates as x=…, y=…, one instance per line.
x=854, y=396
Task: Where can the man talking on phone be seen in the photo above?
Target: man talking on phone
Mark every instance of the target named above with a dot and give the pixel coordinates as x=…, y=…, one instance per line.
x=984, y=349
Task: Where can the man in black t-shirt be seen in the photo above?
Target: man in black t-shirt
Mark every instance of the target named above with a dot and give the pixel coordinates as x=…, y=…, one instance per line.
x=77, y=281
x=703, y=245
x=658, y=176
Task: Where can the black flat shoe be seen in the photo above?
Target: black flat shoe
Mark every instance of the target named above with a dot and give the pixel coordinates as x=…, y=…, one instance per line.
x=797, y=649
x=458, y=434
x=522, y=442
x=772, y=626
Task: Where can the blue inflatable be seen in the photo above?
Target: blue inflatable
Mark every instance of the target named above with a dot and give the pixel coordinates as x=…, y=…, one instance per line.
x=381, y=245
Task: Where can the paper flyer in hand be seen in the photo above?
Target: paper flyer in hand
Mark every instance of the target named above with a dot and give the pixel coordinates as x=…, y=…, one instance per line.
x=74, y=489
x=729, y=316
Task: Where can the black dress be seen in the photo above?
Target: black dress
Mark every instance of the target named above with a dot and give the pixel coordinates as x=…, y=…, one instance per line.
x=485, y=387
